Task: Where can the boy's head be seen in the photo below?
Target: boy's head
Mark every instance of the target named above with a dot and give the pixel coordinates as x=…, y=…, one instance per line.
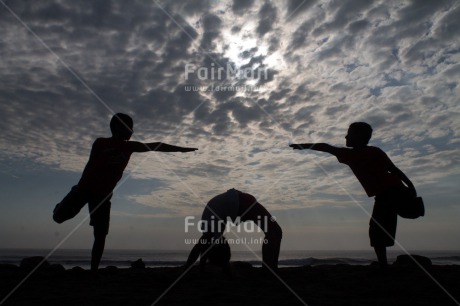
x=359, y=134
x=121, y=126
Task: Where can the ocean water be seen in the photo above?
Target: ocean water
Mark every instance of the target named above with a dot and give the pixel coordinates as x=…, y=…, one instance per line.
x=123, y=258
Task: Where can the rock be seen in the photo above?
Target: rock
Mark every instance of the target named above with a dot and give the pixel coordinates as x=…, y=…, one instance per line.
x=77, y=272
x=409, y=261
x=31, y=263
x=138, y=264
x=56, y=268
x=111, y=268
x=77, y=269
x=8, y=268
x=375, y=264
x=241, y=265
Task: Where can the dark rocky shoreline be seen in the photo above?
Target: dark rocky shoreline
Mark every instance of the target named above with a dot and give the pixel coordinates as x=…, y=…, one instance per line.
x=401, y=284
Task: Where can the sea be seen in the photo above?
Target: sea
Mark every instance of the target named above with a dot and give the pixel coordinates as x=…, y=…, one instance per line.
x=70, y=258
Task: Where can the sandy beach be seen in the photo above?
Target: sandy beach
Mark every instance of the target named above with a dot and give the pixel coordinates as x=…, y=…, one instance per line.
x=318, y=285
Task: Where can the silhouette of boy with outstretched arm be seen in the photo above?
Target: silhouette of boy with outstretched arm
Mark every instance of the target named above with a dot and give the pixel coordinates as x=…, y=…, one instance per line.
x=379, y=177
x=108, y=159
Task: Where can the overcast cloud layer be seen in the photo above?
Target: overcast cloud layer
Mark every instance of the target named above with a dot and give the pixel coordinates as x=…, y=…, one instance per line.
x=66, y=66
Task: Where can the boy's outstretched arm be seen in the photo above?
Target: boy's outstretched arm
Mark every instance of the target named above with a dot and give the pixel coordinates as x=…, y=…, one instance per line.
x=157, y=146
x=323, y=147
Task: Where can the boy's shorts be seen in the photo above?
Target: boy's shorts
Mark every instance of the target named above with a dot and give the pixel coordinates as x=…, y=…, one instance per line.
x=382, y=227
x=98, y=205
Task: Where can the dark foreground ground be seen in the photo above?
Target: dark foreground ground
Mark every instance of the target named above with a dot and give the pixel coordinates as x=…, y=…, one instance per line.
x=319, y=285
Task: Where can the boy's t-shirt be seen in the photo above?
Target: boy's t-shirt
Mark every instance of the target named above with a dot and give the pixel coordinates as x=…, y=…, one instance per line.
x=370, y=166
x=108, y=159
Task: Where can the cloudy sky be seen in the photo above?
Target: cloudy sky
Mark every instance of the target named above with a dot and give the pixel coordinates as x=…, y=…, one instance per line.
x=300, y=71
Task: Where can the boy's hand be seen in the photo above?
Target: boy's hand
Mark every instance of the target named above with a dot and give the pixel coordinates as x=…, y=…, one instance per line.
x=183, y=150
x=296, y=146
x=303, y=146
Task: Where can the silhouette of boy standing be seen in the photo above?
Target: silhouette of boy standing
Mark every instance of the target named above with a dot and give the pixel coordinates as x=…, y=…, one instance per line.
x=108, y=159
x=379, y=177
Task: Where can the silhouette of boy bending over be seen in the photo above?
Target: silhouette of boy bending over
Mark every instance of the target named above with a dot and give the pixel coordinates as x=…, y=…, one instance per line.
x=233, y=204
x=379, y=177
x=108, y=159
